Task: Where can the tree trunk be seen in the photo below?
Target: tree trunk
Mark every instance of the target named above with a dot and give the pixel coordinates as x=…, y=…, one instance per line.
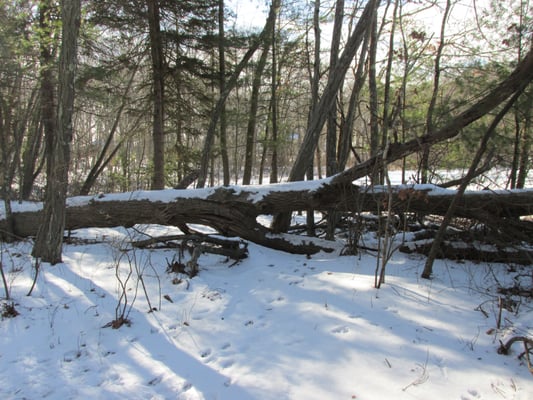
x=373, y=97
x=310, y=141
x=102, y=160
x=210, y=135
x=221, y=88
x=32, y=158
x=527, y=139
x=314, y=80
x=386, y=118
x=49, y=240
x=158, y=79
x=428, y=267
x=424, y=162
x=345, y=139
x=274, y=108
x=305, y=154
x=331, y=135
x=233, y=211
x=252, y=118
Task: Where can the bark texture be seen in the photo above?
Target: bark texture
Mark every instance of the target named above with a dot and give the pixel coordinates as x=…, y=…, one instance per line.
x=234, y=211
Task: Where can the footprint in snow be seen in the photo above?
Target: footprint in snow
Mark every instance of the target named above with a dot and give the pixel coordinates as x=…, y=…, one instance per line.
x=205, y=353
x=276, y=300
x=225, y=346
x=340, y=329
x=155, y=381
x=472, y=394
x=70, y=356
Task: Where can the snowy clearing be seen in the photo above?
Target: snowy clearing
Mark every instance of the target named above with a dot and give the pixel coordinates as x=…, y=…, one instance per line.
x=273, y=326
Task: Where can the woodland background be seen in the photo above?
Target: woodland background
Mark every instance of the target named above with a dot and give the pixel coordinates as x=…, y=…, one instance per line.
x=114, y=96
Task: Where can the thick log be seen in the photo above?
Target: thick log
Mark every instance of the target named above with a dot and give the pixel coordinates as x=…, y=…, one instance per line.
x=461, y=251
x=233, y=211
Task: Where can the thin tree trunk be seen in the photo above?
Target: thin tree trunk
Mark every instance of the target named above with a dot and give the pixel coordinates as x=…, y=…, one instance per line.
x=516, y=152
x=305, y=154
x=373, y=96
x=525, y=154
x=331, y=123
x=314, y=129
x=424, y=163
x=388, y=71
x=101, y=161
x=209, y=138
x=435, y=247
x=49, y=241
x=32, y=159
x=314, y=78
x=252, y=118
x=345, y=139
x=331, y=135
x=221, y=88
x=274, y=109
x=5, y=183
x=158, y=79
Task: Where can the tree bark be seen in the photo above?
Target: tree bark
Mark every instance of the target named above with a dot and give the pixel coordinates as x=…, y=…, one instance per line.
x=233, y=211
x=331, y=135
x=252, y=118
x=221, y=88
x=314, y=81
x=373, y=97
x=424, y=162
x=158, y=79
x=49, y=241
x=274, y=107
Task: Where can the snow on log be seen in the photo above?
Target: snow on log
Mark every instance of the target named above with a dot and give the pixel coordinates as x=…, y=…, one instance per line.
x=233, y=210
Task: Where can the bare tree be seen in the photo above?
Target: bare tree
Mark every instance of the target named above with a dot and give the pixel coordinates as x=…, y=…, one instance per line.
x=158, y=80
x=424, y=162
x=252, y=118
x=230, y=85
x=331, y=136
x=221, y=88
x=435, y=247
x=305, y=154
x=49, y=241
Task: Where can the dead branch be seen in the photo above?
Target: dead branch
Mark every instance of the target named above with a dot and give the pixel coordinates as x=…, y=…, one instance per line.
x=528, y=345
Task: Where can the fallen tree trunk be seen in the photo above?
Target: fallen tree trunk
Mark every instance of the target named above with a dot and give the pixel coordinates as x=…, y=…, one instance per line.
x=233, y=211
x=463, y=251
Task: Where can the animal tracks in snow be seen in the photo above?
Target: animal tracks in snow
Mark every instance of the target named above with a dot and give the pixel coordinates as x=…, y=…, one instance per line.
x=220, y=358
x=472, y=394
x=340, y=330
x=205, y=353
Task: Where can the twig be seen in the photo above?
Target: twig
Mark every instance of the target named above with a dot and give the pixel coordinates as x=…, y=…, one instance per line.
x=37, y=266
x=423, y=377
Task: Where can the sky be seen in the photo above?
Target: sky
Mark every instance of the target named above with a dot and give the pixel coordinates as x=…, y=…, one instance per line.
x=250, y=13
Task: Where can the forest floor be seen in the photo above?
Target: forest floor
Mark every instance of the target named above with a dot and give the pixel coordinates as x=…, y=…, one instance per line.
x=272, y=326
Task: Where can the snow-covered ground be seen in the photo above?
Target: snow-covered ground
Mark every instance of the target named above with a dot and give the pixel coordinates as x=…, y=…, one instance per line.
x=273, y=326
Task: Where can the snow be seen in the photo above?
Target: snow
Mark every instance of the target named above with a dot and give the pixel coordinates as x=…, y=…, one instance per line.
x=273, y=326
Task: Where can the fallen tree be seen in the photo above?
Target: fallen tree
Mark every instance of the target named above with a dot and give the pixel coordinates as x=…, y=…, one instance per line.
x=233, y=211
